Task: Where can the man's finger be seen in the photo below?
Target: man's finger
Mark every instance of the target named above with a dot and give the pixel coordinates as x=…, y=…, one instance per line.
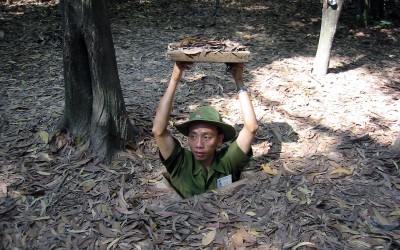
x=228, y=67
x=184, y=65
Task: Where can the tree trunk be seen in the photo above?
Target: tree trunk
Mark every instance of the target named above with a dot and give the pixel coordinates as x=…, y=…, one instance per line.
x=377, y=8
x=330, y=18
x=371, y=9
x=94, y=106
x=396, y=145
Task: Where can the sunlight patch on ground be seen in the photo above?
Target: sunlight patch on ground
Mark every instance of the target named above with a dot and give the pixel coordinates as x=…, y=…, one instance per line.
x=195, y=77
x=340, y=101
x=256, y=7
x=34, y=3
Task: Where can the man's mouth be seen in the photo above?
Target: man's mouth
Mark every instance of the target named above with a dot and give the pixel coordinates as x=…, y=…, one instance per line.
x=199, y=154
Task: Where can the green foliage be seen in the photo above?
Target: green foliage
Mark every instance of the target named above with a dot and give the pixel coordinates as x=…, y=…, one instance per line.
x=385, y=24
x=371, y=11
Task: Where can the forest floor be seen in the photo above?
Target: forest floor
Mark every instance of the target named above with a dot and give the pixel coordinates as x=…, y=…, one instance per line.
x=325, y=175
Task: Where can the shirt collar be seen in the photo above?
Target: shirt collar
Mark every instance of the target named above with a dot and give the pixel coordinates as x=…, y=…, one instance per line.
x=197, y=167
x=217, y=167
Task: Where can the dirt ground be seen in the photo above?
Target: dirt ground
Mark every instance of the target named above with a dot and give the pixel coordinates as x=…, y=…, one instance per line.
x=324, y=173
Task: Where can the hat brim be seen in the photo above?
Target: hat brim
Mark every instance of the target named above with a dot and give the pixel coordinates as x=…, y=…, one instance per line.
x=228, y=130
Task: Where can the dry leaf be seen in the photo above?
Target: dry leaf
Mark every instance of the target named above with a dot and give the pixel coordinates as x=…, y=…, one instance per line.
x=359, y=243
x=303, y=244
x=87, y=186
x=210, y=209
x=268, y=169
x=255, y=232
x=44, y=136
x=343, y=170
x=395, y=213
x=250, y=213
x=292, y=197
x=382, y=220
x=112, y=243
x=106, y=231
x=242, y=238
x=238, y=238
x=61, y=228
x=342, y=203
x=43, y=173
x=209, y=237
x=345, y=229
x=3, y=189
x=76, y=231
x=46, y=156
x=41, y=218
x=288, y=169
x=192, y=52
x=225, y=215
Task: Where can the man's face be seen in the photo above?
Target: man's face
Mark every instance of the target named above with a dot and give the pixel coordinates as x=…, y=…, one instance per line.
x=203, y=141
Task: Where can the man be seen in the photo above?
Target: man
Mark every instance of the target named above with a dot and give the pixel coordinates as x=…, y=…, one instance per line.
x=203, y=167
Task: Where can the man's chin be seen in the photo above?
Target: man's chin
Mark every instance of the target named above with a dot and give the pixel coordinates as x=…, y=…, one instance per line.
x=200, y=157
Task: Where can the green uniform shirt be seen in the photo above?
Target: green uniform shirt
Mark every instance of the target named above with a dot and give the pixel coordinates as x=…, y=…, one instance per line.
x=190, y=178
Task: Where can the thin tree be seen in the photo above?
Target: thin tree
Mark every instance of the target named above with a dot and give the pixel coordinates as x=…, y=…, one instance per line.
x=94, y=106
x=396, y=145
x=330, y=16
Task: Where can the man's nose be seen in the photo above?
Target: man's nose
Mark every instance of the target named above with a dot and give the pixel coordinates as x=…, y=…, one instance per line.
x=199, y=142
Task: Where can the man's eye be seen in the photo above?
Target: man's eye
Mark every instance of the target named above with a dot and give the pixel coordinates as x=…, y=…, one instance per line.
x=207, y=137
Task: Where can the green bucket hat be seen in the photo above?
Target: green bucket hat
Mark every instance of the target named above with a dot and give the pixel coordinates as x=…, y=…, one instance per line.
x=210, y=115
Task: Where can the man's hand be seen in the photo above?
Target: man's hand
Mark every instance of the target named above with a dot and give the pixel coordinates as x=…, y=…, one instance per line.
x=178, y=70
x=184, y=65
x=236, y=70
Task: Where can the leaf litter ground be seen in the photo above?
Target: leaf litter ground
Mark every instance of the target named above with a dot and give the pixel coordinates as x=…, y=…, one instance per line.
x=324, y=175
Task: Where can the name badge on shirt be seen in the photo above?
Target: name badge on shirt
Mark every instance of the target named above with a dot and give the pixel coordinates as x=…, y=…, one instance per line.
x=226, y=180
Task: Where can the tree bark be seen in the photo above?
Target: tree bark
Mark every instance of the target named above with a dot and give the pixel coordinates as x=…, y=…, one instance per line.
x=396, y=146
x=94, y=106
x=330, y=18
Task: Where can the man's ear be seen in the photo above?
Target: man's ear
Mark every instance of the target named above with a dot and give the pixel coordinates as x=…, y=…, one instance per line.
x=221, y=138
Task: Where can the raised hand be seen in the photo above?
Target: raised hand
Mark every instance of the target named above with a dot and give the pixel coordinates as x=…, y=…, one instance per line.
x=236, y=70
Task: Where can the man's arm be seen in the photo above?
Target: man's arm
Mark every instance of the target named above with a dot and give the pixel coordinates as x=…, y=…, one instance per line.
x=247, y=134
x=164, y=139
